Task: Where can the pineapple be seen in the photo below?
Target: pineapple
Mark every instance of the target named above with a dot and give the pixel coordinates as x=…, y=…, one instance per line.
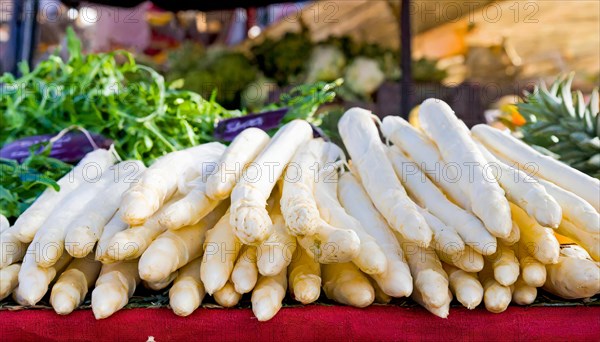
x=560, y=125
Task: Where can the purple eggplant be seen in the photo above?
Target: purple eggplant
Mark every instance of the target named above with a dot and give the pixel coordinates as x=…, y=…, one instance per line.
x=228, y=129
x=70, y=148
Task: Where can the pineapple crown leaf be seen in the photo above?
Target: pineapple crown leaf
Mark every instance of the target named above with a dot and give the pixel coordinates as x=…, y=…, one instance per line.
x=554, y=89
x=594, y=105
x=580, y=104
x=559, y=103
x=561, y=124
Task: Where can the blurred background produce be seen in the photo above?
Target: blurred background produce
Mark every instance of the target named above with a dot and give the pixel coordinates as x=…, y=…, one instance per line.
x=160, y=80
x=210, y=65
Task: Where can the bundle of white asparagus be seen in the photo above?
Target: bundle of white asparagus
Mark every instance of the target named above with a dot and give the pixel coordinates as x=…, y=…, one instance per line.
x=439, y=212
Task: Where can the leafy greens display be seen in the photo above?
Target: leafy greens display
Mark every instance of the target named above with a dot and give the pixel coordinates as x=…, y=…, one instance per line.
x=110, y=94
x=106, y=93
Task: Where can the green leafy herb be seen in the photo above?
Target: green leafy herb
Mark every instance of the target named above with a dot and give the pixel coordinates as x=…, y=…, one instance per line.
x=21, y=184
x=304, y=100
x=109, y=94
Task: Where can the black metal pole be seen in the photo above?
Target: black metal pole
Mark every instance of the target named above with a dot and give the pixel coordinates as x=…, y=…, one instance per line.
x=9, y=58
x=30, y=28
x=22, y=41
x=406, y=84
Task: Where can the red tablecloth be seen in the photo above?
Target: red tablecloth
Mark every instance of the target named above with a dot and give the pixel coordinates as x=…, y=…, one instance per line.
x=312, y=323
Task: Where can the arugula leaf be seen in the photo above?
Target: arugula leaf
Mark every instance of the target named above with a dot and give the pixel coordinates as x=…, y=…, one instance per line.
x=21, y=184
x=304, y=100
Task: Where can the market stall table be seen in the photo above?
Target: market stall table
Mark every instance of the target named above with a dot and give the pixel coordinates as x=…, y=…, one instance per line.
x=311, y=323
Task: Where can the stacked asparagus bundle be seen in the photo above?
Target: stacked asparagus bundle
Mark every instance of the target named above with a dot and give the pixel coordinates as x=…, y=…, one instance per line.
x=441, y=213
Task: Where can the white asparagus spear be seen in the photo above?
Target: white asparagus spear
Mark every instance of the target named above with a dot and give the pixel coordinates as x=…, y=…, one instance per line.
x=131, y=243
x=162, y=283
x=174, y=248
x=533, y=272
x=514, y=237
x=470, y=229
x=331, y=244
x=226, y=296
x=429, y=290
x=245, y=271
x=304, y=277
x=522, y=293
x=242, y=150
x=380, y=296
x=277, y=250
x=445, y=239
x=103, y=249
x=190, y=209
x=86, y=229
x=396, y=280
x=468, y=261
x=4, y=224
x=465, y=286
x=115, y=285
x=376, y=173
x=268, y=295
x=589, y=241
x=328, y=244
x=49, y=242
x=160, y=181
x=16, y=296
x=505, y=265
x=525, y=191
x=539, y=241
x=346, y=284
x=424, y=152
x=429, y=278
x=221, y=250
x=187, y=292
x=9, y=279
x=196, y=175
x=34, y=280
x=371, y=258
x=574, y=251
x=12, y=250
x=429, y=196
x=93, y=165
x=298, y=203
x=575, y=208
x=546, y=167
x=496, y=297
x=72, y=285
x=574, y=276
x=249, y=217
x=441, y=311
x=452, y=137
